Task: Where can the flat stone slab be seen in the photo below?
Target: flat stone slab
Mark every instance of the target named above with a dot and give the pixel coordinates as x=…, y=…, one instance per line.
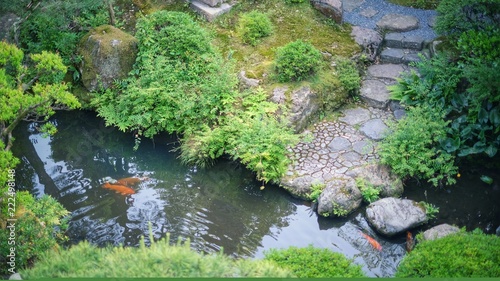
x=209, y=13
x=354, y=116
x=398, y=22
x=374, y=129
x=385, y=71
x=368, y=12
x=400, y=56
x=375, y=93
x=351, y=5
x=339, y=143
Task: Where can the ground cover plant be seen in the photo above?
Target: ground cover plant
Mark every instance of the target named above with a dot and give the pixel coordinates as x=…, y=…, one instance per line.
x=310, y=262
x=458, y=255
x=160, y=259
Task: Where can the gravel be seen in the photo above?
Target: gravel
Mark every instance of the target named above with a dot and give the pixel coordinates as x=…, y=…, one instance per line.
x=354, y=17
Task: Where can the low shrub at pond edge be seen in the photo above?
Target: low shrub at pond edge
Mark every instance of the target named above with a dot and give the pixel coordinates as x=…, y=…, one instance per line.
x=159, y=260
x=459, y=255
x=313, y=262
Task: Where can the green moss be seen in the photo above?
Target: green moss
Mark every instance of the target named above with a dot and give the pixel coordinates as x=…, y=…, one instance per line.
x=421, y=4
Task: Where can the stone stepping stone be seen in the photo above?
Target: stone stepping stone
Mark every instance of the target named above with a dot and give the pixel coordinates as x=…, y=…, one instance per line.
x=368, y=12
x=374, y=129
x=385, y=71
x=354, y=116
x=363, y=147
x=401, y=56
x=351, y=5
x=398, y=23
x=339, y=143
x=208, y=12
x=375, y=93
x=398, y=40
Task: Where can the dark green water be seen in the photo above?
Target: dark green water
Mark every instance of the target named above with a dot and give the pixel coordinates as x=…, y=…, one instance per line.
x=217, y=208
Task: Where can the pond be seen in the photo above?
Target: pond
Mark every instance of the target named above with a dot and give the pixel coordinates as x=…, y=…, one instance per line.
x=221, y=208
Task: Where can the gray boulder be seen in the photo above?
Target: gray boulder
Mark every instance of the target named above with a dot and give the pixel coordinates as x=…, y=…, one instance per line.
x=339, y=198
x=440, y=231
x=247, y=82
x=381, y=177
x=329, y=8
x=299, y=187
x=369, y=40
x=304, y=106
x=108, y=54
x=390, y=216
x=15, y=276
x=398, y=23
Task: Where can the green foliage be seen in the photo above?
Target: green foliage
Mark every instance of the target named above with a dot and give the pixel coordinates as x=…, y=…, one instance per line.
x=338, y=210
x=420, y=4
x=159, y=260
x=412, y=149
x=250, y=133
x=316, y=189
x=457, y=255
x=56, y=26
x=32, y=91
x=312, y=262
x=294, y=1
x=369, y=192
x=179, y=82
x=40, y=226
x=459, y=16
x=348, y=75
x=253, y=26
x=430, y=210
x=297, y=61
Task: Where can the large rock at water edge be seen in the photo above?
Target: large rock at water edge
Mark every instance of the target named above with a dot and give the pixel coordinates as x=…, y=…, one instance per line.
x=329, y=8
x=440, y=231
x=390, y=216
x=304, y=107
x=108, y=54
x=339, y=198
x=381, y=178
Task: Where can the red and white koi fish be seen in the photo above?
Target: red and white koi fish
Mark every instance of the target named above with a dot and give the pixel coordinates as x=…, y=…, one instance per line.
x=410, y=242
x=130, y=181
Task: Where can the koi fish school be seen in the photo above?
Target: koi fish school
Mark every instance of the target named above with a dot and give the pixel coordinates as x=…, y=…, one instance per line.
x=11, y=221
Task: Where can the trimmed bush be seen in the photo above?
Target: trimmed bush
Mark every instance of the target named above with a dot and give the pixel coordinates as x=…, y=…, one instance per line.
x=313, y=262
x=159, y=260
x=253, y=26
x=297, y=61
x=460, y=255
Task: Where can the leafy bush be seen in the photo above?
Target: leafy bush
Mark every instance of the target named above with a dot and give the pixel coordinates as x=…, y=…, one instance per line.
x=316, y=190
x=294, y=1
x=312, y=262
x=253, y=26
x=368, y=191
x=430, y=210
x=457, y=255
x=39, y=227
x=297, y=61
x=251, y=134
x=159, y=260
x=412, y=149
x=348, y=75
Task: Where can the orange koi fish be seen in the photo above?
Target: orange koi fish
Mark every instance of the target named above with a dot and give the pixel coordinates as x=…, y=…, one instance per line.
x=124, y=190
x=410, y=242
x=372, y=241
x=130, y=181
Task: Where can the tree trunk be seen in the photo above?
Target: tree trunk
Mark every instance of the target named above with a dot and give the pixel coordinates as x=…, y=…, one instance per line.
x=111, y=12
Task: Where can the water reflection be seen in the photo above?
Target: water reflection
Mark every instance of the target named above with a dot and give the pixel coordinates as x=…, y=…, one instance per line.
x=221, y=208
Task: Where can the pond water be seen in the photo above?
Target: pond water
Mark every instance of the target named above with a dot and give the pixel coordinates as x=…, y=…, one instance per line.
x=219, y=208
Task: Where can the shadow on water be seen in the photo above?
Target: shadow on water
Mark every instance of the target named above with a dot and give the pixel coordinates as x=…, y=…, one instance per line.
x=220, y=208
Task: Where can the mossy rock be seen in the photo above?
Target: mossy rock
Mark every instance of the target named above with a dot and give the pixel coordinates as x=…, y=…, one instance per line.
x=108, y=54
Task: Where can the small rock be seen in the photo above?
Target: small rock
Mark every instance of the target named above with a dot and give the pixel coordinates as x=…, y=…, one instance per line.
x=375, y=129
x=329, y=8
x=363, y=147
x=355, y=116
x=247, y=82
x=368, y=12
x=279, y=96
x=339, y=198
x=369, y=39
x=339, y=143
x=399, y=114
x=397, y=22
x=386, y=71
x=15, y=276
x=498, y=231
x=432, y=21
x=304, y=107
x=390, y=216
x=351, y=5
x=440, y=231
x=381, y=177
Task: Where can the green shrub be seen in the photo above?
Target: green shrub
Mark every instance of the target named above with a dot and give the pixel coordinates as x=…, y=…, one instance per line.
x=159, y=260
x=411, y=149
x=253, y=26
x=368, y=191
x=458, y=255
x=313, y=262
x=430, y=210
x=348, y=75
x=294, y=1
x=297, y=61
x=316, y=190
x=39, y=227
